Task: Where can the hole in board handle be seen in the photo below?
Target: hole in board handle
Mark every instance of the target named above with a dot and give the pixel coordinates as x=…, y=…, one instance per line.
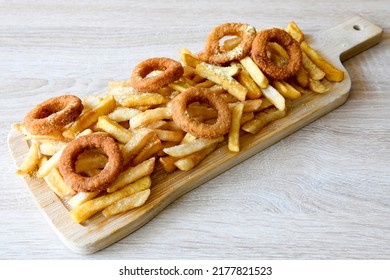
x=356, y=27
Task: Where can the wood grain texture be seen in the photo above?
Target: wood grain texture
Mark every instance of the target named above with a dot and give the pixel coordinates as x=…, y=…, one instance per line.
x=322, y=192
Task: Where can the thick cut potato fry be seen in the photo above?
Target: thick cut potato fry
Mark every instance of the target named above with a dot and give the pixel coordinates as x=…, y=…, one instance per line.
x=117, y=131
x=262, y=119
x=167, y=135
x=48, y=165
x=255, y=72
x=168, y=163
x=331, y=73
x=150, y=116
x=121, y=114
x=224, y=77
x=80, y=198
x=106, y=106
x=136, y=144
x=246, y=80
x=142, y=99
x=50, y=147
x=318, y=86
x=132, y=174
x=246, y=117
x=57, y=184
x=91, y=207
x=234, y=133
x=150, y=150
x=314, y=71
x=186, y=149
x=188, y=58
x=205, y=84
x=275, y=97
x=302, y=77
x=231, y=43
x=93, y=161
x=286, y=89
x=188, y=138
x=125, y=204
x=31, y=162
x=180, y=86
x=194, y=159
x=295, y=32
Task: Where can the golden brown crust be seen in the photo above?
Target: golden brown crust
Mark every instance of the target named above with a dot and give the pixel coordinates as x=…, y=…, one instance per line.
x=259, y=53
x=201, y=130
x=215, y=55
x=53, y=114
x=172, y=71
x=67, y=164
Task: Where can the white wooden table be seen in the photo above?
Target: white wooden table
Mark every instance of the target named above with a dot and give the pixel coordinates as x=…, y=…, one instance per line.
x=321, y=193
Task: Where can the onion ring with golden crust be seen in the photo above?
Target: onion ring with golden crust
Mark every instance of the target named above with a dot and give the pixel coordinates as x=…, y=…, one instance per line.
x=259, y=53
x=172, y=71
x=201, y=130
x=110, y=172
x=213, y=53
x=53, y=114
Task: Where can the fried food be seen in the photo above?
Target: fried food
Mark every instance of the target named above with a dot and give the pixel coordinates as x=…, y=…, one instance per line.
x=213, y=53
x=171, y=71
x=201, y=130
x=259, y=53
x=53, y=114
x=99, y=182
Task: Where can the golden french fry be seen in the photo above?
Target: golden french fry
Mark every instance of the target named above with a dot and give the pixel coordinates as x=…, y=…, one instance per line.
x=246, y=80
x=246, y=117
x=234, y=133
x=56, y=183
x=93, y=206
x=302, y=77
x=180, y=86
x=295, y=32
x=331, y=73
x=231, y=43
x=141, y=99
x=312, y=69
x=205, y=84
x=149, y=150
x=150, y=116
x=167, y=135
x=262, y=119
x=318, y=86
x=91, y=161
x=136, y=144
x=255, y=72
x=192, y=160
x=186, y=149
x=274, y=97
x=80, y=198
x=224, y=77
x=125, y=204
x=204, y=112
x=106, y=106
x=48, y=165
x=117, y=131
x=265, y=104
x=50, y=147
x=132, y=174
x=188, y=58
x=168, y=163
x=31, y=161
x=188, y=138
x=156, y=124
x=121, y=114
x=286, y=89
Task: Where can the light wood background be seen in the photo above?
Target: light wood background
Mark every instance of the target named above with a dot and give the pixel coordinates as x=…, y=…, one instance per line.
x=321, y=193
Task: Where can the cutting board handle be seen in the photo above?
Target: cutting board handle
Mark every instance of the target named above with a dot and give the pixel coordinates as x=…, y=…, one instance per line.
x=350, y=37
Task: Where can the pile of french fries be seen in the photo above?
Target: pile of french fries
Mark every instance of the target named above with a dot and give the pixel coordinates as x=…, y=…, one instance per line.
x=142, y=124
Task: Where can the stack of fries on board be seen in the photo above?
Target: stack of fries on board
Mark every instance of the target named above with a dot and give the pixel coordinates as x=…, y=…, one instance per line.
x=143, y=127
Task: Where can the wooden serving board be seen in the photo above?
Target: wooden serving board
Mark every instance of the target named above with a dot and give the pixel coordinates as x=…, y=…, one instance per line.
x=335, y=44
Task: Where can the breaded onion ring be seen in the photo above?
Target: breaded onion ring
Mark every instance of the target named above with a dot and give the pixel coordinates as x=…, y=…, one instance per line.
x=259, y=53
x=172, y=71
x=99, y=182
x=201, y=130
x=213, y=53
x=53, y=114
